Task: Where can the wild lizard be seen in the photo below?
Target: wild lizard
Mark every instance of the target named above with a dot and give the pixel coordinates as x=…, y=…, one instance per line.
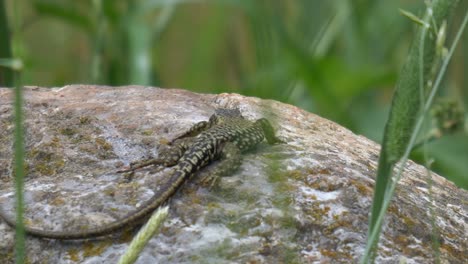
x=223, y=138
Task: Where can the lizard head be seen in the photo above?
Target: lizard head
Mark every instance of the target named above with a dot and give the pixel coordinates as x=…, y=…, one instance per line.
x=223, y=114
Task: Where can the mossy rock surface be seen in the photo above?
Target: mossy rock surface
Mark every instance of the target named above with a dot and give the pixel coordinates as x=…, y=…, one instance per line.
x=305, y=201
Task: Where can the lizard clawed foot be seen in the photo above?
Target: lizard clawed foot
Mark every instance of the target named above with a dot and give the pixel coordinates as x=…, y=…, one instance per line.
x=125, y=169
x=278, y=140
x=209, y=180
x=141, y=164
x=128, y=176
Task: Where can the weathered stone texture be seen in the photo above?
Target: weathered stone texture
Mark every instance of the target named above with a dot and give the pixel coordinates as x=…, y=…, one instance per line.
x=306, y=201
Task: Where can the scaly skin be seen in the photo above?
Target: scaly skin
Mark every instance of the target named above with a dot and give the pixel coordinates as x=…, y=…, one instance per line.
x=222, y=138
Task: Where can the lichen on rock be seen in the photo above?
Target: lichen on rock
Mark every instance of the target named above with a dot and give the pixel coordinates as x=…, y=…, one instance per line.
x=305, y=201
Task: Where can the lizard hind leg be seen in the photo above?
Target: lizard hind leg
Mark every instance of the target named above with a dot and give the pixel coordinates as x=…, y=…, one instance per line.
x=194, y=130
x=230, y=160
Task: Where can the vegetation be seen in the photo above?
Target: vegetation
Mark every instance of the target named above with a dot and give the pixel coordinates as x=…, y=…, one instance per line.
x=339, y=59
x=417, y=84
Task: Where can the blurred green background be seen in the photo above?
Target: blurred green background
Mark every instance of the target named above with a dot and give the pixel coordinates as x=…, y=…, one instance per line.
x=337, y=58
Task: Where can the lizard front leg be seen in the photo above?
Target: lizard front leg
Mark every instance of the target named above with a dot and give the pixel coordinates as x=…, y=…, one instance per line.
x=168, y=157
x=268, y=131
x=195, y=130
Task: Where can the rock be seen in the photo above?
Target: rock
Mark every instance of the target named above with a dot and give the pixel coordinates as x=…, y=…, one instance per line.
x=302, y=202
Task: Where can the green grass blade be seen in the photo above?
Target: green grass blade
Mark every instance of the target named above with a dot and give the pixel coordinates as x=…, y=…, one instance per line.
x=139, y=45
x=406, y=108
x=6, y=75
x=144, y=235
x=98, y=42
x=18, y=161
x=19, y=168
x=64, y=13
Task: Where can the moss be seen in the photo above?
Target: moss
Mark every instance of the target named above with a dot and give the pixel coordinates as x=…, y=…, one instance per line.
x=58, y=201
x=402, y=241
x=362, y=188
x=81, y=138
x=84, y=120
x=321, y=184
x=291, y=257
x=449, y=235
x=104, y=148
x=296, y=175
x=315, y=171
x=194, y=259
x=103, y=144
x=333, y=254
x=109, y=192
x=8, y=257
x=288, y=222
x=213, y=205
x=225, y=249
x=73, y=254
x=164, y=141
x=317, y=212
x=147, y=132
x=234, y=194
x=127, y=235
x=407, y=220
x=451, y=251
x=68, y=131
x=281, y=251
x=95, y=248
x=128, y=189
x=282, y=200
x=49, y=167
x=97, y=146
x=46, y=162
x=44, y=169
x=274, y=175
x=55, y=142
x=339, y=221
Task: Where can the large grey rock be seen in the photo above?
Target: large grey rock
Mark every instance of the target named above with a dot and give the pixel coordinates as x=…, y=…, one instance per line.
x=306, y=201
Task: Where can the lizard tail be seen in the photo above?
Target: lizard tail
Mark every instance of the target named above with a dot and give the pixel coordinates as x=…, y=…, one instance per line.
x=165, y=191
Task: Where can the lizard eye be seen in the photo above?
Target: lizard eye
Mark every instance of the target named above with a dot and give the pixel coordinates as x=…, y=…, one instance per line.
x=213, y=119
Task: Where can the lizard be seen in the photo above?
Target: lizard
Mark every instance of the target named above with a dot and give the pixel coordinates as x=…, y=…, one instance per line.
x=222, y=138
